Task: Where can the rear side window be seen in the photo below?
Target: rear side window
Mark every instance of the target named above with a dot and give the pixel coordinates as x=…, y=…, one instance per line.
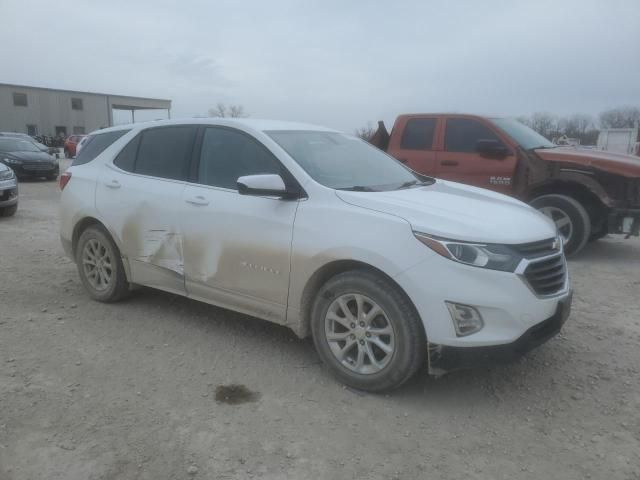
x=227, y=155
x=462, y=135
x=95, y=145
x=126, y=159
x=418, y=134
x=165, y=152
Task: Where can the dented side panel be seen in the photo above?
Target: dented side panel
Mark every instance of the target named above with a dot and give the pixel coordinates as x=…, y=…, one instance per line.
x=143, y=214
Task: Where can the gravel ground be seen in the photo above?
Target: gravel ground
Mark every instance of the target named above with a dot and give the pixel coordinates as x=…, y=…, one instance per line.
x=128, y=391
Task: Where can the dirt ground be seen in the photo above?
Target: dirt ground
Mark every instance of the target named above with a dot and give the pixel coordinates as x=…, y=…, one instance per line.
x=128, y=391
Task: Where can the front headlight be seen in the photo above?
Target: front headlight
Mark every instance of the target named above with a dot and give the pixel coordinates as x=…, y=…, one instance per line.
x=7, y=174
x=483, y=255
x=11, y=161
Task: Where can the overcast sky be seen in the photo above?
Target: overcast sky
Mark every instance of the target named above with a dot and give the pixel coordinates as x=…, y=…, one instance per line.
x=332, y=62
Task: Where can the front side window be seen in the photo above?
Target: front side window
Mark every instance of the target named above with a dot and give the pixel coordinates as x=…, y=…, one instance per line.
x=227, y=155
x=94, y=145
x=462, y=135
x=165, y=152
x=20, y=99
x=341, y=161
x=418, y=134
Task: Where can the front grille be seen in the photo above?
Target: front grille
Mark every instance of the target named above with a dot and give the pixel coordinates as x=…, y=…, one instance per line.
x=541, y=248
x=37, y=166
x=548, y=276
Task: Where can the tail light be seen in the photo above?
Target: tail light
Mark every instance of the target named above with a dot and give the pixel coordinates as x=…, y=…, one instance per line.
x=64, y=179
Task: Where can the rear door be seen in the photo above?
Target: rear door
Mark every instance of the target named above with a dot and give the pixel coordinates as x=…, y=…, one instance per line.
x=414, y=146
x=236, y=247
x=459, y=161
x=140, y=198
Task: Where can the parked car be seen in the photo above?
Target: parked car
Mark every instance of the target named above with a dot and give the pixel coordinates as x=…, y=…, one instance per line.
x=8, y=191
x=24, y=136
x=587, y=193
x=26, y=160
x=318, y=231
x=70, y=145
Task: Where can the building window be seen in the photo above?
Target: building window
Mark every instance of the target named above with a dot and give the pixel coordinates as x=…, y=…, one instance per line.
x=78, y=130
x=32, y=130
x=61, y=131
x=76, y=104
x=20, y=99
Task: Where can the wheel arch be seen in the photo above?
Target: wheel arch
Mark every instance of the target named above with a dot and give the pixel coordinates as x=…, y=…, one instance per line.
x=586, y=191
x=322, y=275
x=90, y=221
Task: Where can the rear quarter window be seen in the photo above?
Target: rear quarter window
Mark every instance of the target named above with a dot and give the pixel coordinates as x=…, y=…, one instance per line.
x=95, y=145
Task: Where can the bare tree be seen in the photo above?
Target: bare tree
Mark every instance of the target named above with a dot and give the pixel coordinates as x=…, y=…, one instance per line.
x=365, y=133
x=232, y=111
x=623, y=117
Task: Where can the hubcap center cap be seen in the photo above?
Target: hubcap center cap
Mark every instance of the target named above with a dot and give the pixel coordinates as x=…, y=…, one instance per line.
x=360, y=332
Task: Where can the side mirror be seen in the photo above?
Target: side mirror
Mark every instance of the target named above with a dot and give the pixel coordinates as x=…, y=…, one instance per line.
x=267, y=185
x=491, y=149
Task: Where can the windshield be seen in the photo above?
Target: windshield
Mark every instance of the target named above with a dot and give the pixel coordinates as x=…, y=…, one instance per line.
x=343, y=162
x=17, y=145
x=525, y=136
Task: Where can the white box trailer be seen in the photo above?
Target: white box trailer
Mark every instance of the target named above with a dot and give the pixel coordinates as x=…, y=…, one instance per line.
x=619, y=140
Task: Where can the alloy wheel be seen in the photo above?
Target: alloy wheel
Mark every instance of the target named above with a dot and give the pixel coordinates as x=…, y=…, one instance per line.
x=562, y=221
x=359, y=334
x=97, y=265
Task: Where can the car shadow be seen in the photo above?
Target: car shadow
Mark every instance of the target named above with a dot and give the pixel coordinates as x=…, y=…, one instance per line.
x=463, y=388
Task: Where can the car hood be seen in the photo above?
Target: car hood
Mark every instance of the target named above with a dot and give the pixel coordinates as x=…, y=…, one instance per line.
x=28, y=156
x=459, y=212
x=618, y=163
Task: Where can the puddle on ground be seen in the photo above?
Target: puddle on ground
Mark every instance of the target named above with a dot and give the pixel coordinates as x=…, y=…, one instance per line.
x=235, y=394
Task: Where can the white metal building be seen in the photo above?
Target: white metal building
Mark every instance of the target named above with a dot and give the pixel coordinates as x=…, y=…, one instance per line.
x=47, y=111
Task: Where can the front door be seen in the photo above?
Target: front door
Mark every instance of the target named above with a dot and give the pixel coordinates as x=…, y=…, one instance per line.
x=237, y=248
x=140, y=199
x=459, y=161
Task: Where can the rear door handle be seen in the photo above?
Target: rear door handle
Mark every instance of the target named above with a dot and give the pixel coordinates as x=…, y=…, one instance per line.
x=449, y=163
x=197, y=200
x=113, y=183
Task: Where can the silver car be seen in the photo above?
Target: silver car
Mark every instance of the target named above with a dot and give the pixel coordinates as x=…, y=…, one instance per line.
x=8, y=191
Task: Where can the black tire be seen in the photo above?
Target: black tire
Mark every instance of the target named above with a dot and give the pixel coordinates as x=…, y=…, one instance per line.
x=576, y=213
x=410, y=340
x=9, y=211
x=118, y=287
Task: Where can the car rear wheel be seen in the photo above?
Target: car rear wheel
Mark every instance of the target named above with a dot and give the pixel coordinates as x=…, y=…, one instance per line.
x=367, y=332
x=100, y=266
x=570, y=217
x=9, y=211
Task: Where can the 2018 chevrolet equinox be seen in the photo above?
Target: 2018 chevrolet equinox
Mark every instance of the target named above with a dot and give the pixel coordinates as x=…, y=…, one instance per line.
x=317, y=230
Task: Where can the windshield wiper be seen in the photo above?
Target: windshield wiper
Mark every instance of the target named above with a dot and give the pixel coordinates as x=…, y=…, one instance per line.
x=412, y=183
x=359, y=188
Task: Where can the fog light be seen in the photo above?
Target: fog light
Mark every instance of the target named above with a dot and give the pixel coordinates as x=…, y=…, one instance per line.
x=466, y=319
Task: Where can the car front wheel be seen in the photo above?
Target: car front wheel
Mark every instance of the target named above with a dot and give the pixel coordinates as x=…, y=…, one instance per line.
x=571, y=219
x=367, y=332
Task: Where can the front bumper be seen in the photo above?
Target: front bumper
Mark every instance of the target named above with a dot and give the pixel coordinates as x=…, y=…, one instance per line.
x=8, y=193
x=43, y=169
x=443, y=358
x=624, y=220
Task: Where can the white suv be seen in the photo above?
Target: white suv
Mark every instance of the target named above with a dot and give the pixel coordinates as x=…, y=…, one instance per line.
x=319, y=231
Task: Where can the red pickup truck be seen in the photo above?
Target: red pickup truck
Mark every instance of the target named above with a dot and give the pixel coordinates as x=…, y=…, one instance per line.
x=587, y=193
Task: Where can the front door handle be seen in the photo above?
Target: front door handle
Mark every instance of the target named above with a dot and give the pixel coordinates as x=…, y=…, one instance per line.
x=197, y=200
x=449, y=163
x=113, y=183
